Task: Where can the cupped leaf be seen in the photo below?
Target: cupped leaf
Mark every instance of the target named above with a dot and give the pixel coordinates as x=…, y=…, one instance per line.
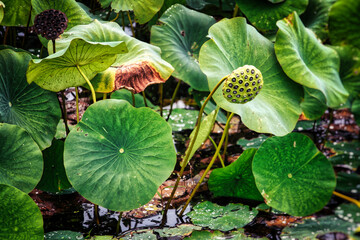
x=181, y=34
x=222, y=218
x=126, y=153
x=236, y=179
x=289, y=171
x=314, y=104
x=221, y=55
x=344, y=22
x=28, y=106
x=349, y=68
x=16, y=12
x=20, y=217
x=54, y=178
x=135, y=70
x=264, y=14
x=316, y=17
x=206, y=126
x=20, y=158
x=144, y=10
x=306, y=61
x=60, y=70
x=74, y=13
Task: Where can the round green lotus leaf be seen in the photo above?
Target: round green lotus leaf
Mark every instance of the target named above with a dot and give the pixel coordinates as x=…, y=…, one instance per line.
x=236, y=179
x=64, y=234
x=181, y=34
x=28, y=106
x=16, y=12
x=21, y=162
x=314, y=104
x=306, y=61
x=144, y=10
x=344, y=21
x=349, y=68
x=54, y=178
x=264, y=14
x=140, y=67
x=74, y=13
x=316, y=17
x=220, y=56
x=91, y=54
x=20, y=217
x=125, y=154
x=292, y=175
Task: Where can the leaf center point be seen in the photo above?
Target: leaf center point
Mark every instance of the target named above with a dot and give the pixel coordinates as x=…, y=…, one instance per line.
x=289, y=175
x=121, y=150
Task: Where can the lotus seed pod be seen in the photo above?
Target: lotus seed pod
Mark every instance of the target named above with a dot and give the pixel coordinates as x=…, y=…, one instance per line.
x=243, y=84
x=50, y=23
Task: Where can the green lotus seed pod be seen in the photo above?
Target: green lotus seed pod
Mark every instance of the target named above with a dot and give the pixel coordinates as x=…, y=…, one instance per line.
x=243, y=84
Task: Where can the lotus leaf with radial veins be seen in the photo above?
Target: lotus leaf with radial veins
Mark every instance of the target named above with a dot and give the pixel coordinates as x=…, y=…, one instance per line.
x=144, y=10
x=306, y=61
x=236, y=179
x=21, y=161
x=316, y=17
x=28, y=106
x=264, y=14
x=234, y=44
x=344, y=21
x=293, y=175
x=16, y=12
x=74, y=13
x=140, y=67
x=20, y=217
x=125, y=154
x=180, y=35
x=349, y=68
x=88, y=55
x=314, y=104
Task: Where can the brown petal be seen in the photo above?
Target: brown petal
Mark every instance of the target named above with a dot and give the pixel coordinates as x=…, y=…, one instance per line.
x=136, y=76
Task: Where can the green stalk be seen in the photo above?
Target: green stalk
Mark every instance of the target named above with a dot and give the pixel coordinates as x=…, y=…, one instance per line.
x=77, y=105
x=352, y=200
x=144, y=96
x=104, y=96
x=88, y=82
x=173, y=99
x=210, y=164
x=236, y=11
x=226, y=140
x=219, y=156
x=96, y=214
x=131, y=25
x=191, y=145
x=117, y=16
x=161, y=93
x=123, y=20
x=133, y=98
x=118, y=227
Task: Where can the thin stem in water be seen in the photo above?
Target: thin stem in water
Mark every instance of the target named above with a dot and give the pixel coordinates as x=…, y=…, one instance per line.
x=226, y=140
x=191, y=145
x=173, y=99
x=210, y=164
x=144, y=96
x=236, y=11
x=133, y=98
x=123, y=20
x=117, y=16
x=96, y=214
x=131, y=24
x=352, y=200
x=219, y=156
x=77, y=104
x=88, y=82
x=118, y=226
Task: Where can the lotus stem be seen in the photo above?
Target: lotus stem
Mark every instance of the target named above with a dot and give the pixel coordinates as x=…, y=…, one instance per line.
x=161, y=93
x=96, y=214
x=123, y=20
x=236, y=11
x=191, y=145
x=210, y=164
x=226, y=140
x=88, y=82
x=117, y=16
x=352, y=200
x=131, y=25
x=64, y=112
x=104, y=96
x=6, y=34
x=133, y=98
x=53, y=43
x=144, y=96
x=118, y=226
x=173, y=98
x=27, y=28
x=219, y=155
x=77, y=104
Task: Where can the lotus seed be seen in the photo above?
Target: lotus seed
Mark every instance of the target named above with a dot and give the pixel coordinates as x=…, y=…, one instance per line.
x=240, y=80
